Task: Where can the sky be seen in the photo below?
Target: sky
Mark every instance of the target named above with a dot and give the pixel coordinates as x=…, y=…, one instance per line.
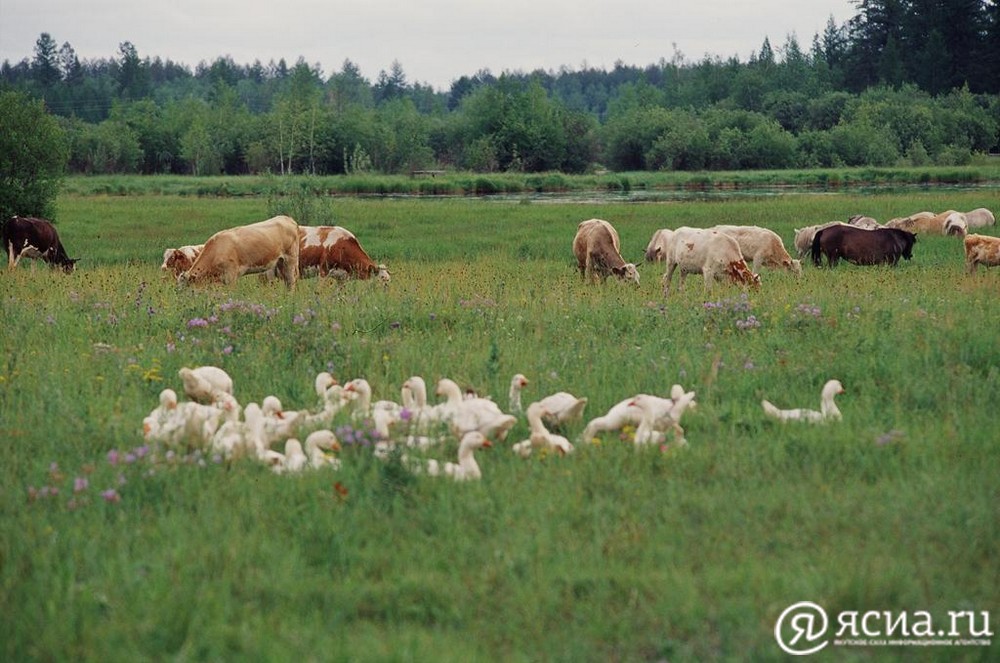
x=435, y=41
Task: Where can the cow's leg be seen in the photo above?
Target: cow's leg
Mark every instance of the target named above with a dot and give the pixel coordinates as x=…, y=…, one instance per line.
x=667, y=276
x=10, y=256
x=970, y=266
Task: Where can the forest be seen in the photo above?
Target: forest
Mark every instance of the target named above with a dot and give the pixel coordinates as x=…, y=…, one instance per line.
x=903, y=82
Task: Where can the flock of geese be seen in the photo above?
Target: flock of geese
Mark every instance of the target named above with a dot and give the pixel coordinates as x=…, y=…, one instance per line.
x=212, y=420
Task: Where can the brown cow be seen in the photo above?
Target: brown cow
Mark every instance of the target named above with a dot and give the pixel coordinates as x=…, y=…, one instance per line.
x=981, y=250
x=29, y=237
x=862, y=247
x=332, y=249
x=267, y=246
x=598, y=252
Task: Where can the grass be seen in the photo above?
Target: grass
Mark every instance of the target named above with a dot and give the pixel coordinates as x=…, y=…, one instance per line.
x=609, y=554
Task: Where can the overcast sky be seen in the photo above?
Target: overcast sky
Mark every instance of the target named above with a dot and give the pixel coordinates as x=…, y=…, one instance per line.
x=435, y=41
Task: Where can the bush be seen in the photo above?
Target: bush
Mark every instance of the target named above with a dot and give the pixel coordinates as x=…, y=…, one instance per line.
x=33, y=155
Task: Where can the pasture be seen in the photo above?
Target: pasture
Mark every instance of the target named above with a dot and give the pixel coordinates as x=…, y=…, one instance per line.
x=113, y=551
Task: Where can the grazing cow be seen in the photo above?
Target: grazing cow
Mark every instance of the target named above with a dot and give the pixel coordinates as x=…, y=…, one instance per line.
x=866, y=222
x=804, y=236
x=935, y=224
x=981, y=250
x=178, y=261
x=656, y=250
x=980, y=218
x=708, y=252
x=28, y=237
x=266, y=246
x=763, y=246
x=955, y=225
x=598, y=252
x=326, y=249
x=862, y=247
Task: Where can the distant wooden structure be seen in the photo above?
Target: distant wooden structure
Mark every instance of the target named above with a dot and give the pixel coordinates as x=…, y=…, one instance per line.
x=426, y=173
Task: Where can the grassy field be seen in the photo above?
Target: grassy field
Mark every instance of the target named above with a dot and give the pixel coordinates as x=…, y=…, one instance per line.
x=111, y=551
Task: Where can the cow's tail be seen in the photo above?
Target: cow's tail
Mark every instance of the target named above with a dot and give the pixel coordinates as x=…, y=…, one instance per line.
x=817, y=254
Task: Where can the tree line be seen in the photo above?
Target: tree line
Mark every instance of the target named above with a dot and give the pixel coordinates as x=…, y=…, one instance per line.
x=903, y=81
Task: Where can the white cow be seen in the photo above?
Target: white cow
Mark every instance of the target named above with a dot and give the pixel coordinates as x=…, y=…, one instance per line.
x=708, y=252
x=804, y=236
x=980, y=218
x=178, y=261
x=656, y=250
x=764, y=247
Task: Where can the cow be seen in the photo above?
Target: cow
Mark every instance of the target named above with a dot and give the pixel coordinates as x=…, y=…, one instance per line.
x=764, y=247
x=804, y=236
x=981, y=250
x=936, y=224
x=656, y=250
x=30, y=237
x=266, y=246
x=861, y=221
x=332, y=249
x=862, y=247
x=980, y=218
x=708, y=252
x=598, y=252
x=177, y=261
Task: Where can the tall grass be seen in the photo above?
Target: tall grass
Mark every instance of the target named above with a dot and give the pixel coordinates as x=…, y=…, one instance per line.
x=683, y=554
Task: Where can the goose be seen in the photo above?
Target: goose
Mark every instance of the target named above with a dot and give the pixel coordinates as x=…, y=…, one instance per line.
x=316, y=443
x=467, y=468
x=540, y=437
x=156, y=422
x=620, y=415
x=517, y=383
x=562, y=407
x=278, y=424
x=198, y=423
x=334, y=399
x=206, y=384
x=295, y=459
x=658, y=416
x=362, y=404
x=828, y=409
x=236, y=438
x=465, y=415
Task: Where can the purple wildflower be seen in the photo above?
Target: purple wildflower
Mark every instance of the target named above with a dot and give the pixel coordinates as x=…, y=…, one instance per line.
x=197, y=322
x=80, y=484
x=111, y=495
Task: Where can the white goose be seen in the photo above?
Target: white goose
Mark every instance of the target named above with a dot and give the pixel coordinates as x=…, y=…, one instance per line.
x=316, y=444
x=199, y=423
x=362, y=404
x=540, y=437
x=333, y=399
x=620, y=415
x=660, y=415
x=469, y=414
x=157, y=422
x=828, y=409
x=295, y=459
x=467, y=468
x=236, y=438
x=206, y=384
x=278, y=424
x=562, y=407
x=517, y=383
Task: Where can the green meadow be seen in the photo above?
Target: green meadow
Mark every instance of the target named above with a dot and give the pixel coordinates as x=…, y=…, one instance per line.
x=114, y=551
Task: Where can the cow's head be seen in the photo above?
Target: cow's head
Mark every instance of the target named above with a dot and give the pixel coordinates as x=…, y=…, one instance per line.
x=68, y=265
x=627, y=272
x=384, y=275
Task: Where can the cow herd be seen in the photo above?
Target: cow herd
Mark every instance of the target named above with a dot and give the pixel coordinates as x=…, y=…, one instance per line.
x=277, y=247
x=280, y=248
x=722, y=252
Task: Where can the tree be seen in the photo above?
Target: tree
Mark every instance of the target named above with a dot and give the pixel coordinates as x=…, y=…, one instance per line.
x=33, y=155
x=45, y=66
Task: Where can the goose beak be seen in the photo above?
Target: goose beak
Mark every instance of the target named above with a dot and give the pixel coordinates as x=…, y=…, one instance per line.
x=487, y=444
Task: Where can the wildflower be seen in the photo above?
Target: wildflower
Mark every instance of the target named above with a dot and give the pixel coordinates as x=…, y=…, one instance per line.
x=49, y=320
x=111, y=496
x=405, y=414
x=141, y=452
x=299, y=319
x=32, y=493
x=171, y=347
x=335, y=327
x=80, y=484
x=197, y=322
x=228, y=350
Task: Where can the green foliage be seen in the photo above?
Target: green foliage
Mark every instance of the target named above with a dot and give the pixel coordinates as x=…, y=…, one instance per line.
x=33, y=157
